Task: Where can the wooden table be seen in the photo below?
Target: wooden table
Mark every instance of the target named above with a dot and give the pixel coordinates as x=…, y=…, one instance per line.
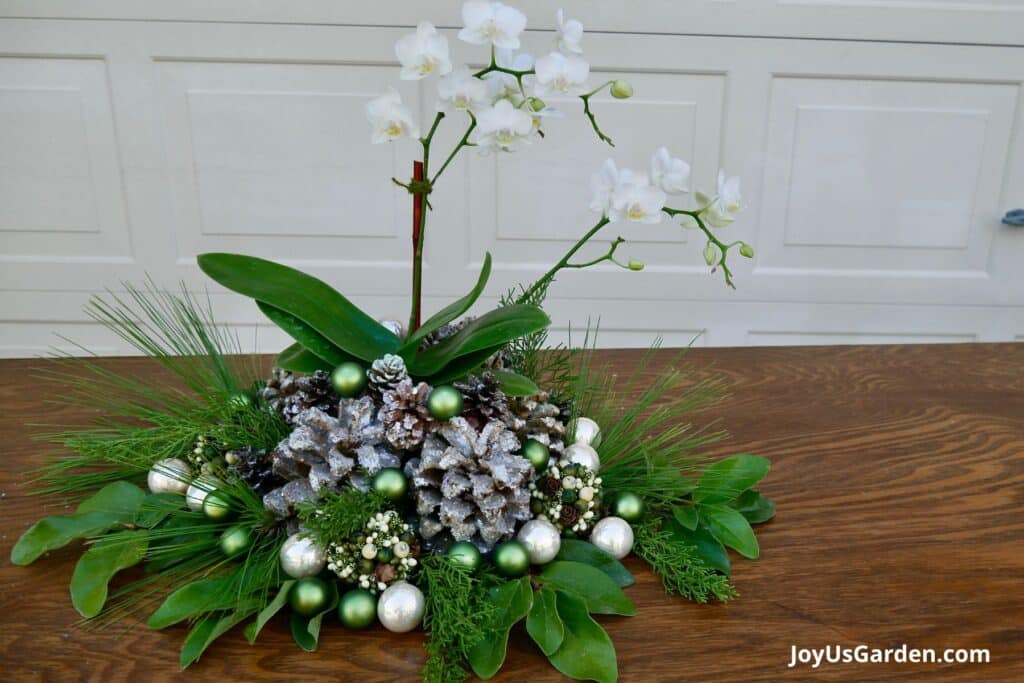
x=899, y=477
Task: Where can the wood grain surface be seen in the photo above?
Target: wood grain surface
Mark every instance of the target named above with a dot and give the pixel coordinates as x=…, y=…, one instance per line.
x=899, y=478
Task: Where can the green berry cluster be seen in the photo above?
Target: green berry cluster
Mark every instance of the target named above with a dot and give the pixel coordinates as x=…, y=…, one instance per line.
x=382, y=553
x=569, y=496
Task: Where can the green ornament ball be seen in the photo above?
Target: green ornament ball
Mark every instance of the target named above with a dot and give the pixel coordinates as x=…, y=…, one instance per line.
x=217, y=507
x=391, y=483
x=308, y=596
x=444, y=402
x=241, y=400
x=628, y=506
x=236, y=540
x=348, y=379
x=357, y=609
x=537, y=453
x=465, y=554
x=511, y=558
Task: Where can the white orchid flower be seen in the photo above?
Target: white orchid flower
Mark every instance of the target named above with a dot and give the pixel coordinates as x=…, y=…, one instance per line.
x=423, y=53
x=390, y=118
x=501, y=127
x=635, y=199
x=461, y=91
x=570, y=34
x=670, y=174
x=559, y=74
x=722, y=208
x=602, y=184
x=505, y=85
x=491, y=23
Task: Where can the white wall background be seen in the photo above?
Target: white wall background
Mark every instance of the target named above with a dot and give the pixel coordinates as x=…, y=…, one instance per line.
x=879, y=141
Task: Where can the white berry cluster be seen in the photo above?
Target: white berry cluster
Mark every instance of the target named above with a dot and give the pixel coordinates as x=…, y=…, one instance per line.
x=377, y=557
x=568, y=495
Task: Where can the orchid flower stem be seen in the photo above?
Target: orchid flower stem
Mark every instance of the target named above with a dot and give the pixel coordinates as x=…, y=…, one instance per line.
x=546, y=279
x=593, y=119
x=610, y=256
x=464, y=142
x=723, y=248
x=419, y=231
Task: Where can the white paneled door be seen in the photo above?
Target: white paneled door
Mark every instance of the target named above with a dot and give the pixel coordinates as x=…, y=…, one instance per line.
x=876, y=166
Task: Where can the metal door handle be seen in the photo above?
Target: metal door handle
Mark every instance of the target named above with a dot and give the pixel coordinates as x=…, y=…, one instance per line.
x=1014, y=217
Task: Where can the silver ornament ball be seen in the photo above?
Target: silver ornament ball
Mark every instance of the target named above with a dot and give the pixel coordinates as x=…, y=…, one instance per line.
x=400, y=607
x=614, y=536
x=393, y=326
x=586, y=431
x=582, y=454
x=301, y=556
x=197, y=491
x=171, y=475
x=541, y=539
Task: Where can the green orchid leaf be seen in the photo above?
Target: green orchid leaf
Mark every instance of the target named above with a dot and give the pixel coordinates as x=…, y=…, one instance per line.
x=494, y=328
x=574, y=550
x=514, y=384
x=600, y=593
x=543, y=623
x=449, y=312
x=311, y=340
x=586, y=652
x=754, y=506
x=686, y=515
x=252, y=631
x=189, y=601
x=97, y=566
x=297, y=359
x=513, y=600
x=731, y=528
x=462, y=366
x=727, y=479
x=208, y=630
x=312, y=301
x=708, y=548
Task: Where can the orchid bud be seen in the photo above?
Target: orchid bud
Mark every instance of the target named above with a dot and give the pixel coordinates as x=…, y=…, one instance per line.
x=635, y=265
x=747, y=250
x=536, y=103
x=621, y=90
x=709, y=255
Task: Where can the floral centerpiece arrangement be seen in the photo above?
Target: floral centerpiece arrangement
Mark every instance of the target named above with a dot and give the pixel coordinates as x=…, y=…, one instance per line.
x=452, y=473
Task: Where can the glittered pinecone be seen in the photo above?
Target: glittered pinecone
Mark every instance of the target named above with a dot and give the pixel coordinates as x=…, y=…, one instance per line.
x=386, y=373
x=484, y=400
x=255, y=468
x=536, y=417
x=325, y=451
x=405, y=416
x=470, y=483
x=291, y=394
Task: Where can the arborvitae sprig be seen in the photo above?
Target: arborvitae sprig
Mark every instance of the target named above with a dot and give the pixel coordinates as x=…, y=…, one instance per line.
x=341, y=515
x=456, y=617
x=681, y=569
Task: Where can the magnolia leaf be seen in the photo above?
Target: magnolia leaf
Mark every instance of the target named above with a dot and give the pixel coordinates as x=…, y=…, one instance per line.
x=754, y=506
x=488, y=654
x=188, y=601
x=514, y=384
x=313, y=627
x=449, y=312
x=299, y=626
x=268, y=612
x=310, y=300
x=121, y=498
x=727, y=479
x=708, y=548
x=543, y=623
x=310, y=339
x=574, y=550
x=208, y=630
x=686, y=515
x=731, y=528
x=513, y=600
x=600, y=593
x=297, y=359
x=586, y=652
x=156, y=507
x=98, y=565
x=494, y=328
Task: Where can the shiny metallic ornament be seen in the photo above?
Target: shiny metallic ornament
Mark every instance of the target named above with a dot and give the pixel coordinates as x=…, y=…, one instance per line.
x=400, y=607
x=217, y=507
x=391, y=483
x=614, y=536
x=236, y=540
x=348, y=379
x=357, y=609
x=511, y=558
x=537, y=453
x=465, y=554
x=586, y=431
x=444, y=402
x=171, y=475
x=628, y=506
x=582, y=454
x=309, y=596
x=394, y=327
x=197, y=491
x=541, y=539
x=301, y=556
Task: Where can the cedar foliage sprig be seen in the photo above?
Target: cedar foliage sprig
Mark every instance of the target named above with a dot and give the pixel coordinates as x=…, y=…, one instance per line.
x=340, y=515
x=456, y=617
x=678, y=563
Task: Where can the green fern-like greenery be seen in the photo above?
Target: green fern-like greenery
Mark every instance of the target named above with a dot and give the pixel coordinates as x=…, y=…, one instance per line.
x=680, y=567
x=341, y=514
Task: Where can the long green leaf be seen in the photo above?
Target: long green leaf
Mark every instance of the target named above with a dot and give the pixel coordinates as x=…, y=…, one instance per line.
x=731, y=528
x=543, y=623
x=494, y=328
x=311, y=340
x=754, y=506
x=268, y=612
x=586, y=652
x=514, y=384
x=208, y=630
x=600, y=593
x=188, y=601
x=462, y=366
x=513, y=600
x=297, y=359
x=727, y=479
x=311, y=300
x=451, y=311
x=575, y=550
x=98, y=565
